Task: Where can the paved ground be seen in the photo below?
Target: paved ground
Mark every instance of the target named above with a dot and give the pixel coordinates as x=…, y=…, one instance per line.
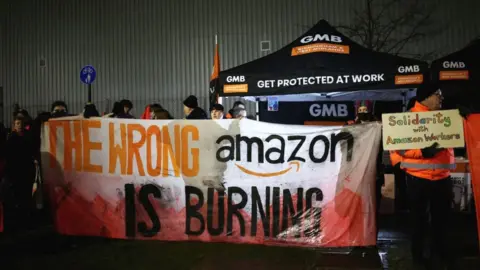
x=41, y=249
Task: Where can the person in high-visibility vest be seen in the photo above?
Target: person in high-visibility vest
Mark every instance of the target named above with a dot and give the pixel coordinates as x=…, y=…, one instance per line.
x=429, y=186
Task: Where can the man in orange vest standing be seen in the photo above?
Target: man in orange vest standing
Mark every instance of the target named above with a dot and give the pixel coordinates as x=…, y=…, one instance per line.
x=429, y=186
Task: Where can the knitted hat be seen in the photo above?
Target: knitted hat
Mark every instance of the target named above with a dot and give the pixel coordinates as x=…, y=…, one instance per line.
x=426, y=90
x=364, y=103
x=58, y=103
x=237, y=111
x=191, y=102
x=217, y=107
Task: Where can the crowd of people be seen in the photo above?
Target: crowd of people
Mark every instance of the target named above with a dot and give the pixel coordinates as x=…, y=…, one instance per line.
x=20, y=148
x=427, y=170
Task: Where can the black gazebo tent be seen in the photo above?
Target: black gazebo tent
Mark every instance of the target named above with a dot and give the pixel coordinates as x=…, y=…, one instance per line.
x=459, y=77
x=323, y=61
x=462, y=65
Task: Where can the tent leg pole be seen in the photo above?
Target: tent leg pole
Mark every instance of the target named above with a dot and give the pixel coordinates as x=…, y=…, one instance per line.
x=257, y=109
x=404, y=95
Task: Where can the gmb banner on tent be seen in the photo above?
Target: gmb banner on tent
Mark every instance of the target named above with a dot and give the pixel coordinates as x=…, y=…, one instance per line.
x=236, y=181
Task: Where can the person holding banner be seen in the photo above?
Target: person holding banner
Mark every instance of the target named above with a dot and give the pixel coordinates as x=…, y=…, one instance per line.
x=191, y=109
x=217, y=112
x=429, y=186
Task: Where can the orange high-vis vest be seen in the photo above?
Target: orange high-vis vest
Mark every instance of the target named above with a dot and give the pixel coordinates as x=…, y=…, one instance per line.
x=413, y=163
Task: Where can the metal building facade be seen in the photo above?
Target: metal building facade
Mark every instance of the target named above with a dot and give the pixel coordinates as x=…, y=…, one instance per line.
x=162, y=50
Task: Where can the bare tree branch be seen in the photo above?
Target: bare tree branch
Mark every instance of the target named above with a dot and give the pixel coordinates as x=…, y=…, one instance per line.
x=380, y=27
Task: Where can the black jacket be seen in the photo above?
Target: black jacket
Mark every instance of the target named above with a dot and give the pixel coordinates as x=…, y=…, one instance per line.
x=197, y=113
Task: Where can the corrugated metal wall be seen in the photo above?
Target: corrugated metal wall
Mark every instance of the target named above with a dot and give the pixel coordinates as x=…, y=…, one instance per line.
x=152, y=50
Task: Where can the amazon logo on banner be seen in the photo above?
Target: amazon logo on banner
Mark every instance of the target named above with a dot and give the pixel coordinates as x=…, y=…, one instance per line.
x=231, y=150
x=321, y=43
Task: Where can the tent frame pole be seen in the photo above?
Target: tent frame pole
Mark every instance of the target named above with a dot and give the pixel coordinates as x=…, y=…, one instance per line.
x=257, y=109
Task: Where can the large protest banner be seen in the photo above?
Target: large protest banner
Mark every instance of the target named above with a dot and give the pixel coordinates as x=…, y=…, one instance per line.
x=237, y=181
x=416, y=130
x=472, y=137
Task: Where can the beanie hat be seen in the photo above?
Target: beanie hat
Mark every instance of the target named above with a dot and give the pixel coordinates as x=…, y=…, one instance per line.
x=426, y=90
x=217, y=107
x=191, y=102
x=58, y=103
x=237, y=111
x=364, y=103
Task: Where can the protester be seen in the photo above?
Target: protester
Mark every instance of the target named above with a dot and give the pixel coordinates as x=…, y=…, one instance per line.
x=191, y=109
x=59, y=109
x=216, y=112
x=27, y=119
x=19, y=175
x=239, y=104
x=363, y=112
x=411, y=103
x=239, y=112
x=160, y=114
x=90, y=110
x=429, y=186
x=121, y=110
x=127, y=108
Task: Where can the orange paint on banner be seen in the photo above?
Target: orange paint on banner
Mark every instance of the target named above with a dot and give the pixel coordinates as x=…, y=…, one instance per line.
x=79, y=143
x=194, y=152
x=170, y=151
x=89, y=146
x=117, y=152
x=156, y=170
x=134, y=148
x=72, y=144
x=53, y=139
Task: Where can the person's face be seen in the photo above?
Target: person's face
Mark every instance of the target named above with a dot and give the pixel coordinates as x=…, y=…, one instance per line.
x=435, y=101
x=216, y=114
x=59, y=109
x=186, y=110
x=242, y=114
x=362, y=109
x=18, y=125
x=126, y=109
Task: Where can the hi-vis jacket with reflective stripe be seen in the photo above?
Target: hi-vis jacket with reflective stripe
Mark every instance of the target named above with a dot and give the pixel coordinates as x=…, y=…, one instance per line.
x=412, y=161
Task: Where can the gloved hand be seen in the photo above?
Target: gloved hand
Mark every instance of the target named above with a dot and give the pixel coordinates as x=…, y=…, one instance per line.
x=431, y=151
x=90, y=111
x=464, y=111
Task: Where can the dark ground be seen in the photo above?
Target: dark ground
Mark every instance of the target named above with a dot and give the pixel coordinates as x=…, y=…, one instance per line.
x=42, y=249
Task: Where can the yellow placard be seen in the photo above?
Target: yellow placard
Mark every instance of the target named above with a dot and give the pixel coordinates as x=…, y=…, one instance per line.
x=416, y=130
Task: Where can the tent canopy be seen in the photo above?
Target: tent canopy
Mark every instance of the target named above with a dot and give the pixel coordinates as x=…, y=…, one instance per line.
x=463, y=65
x=321, y=61
x=390, y=95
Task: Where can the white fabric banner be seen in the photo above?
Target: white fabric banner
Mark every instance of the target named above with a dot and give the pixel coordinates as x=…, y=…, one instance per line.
x=237, y=181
